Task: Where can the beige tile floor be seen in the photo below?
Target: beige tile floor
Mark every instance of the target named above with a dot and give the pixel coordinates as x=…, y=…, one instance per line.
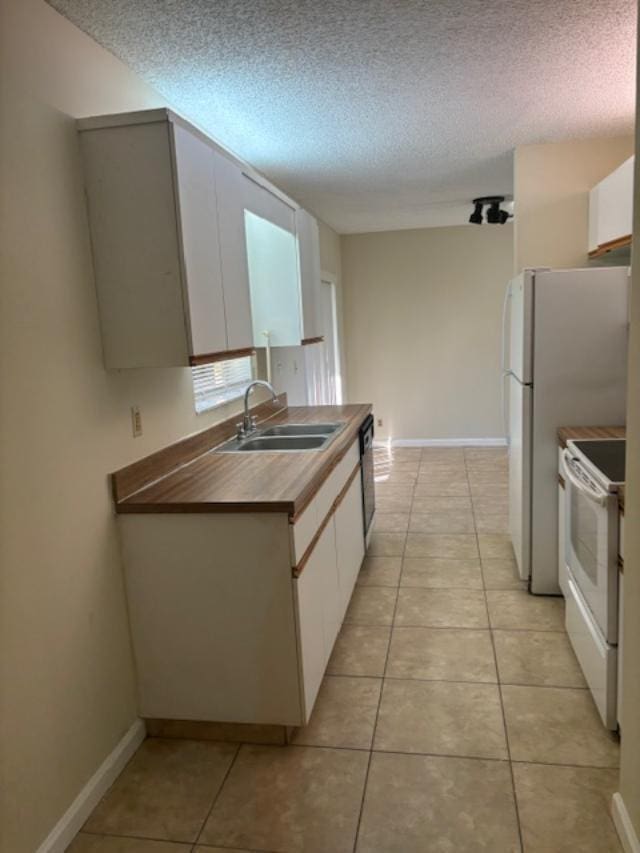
x=453, y=716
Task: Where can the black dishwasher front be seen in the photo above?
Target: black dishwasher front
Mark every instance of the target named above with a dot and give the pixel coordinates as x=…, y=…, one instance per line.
x=366, y=467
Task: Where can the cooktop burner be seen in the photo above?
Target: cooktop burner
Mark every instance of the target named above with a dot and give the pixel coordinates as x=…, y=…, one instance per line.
x=605, y=454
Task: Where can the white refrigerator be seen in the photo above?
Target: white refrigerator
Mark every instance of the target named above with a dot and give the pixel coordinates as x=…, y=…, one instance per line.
x=565, y=343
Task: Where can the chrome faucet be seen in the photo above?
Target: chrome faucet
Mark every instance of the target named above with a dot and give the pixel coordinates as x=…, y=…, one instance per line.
x=248, y=424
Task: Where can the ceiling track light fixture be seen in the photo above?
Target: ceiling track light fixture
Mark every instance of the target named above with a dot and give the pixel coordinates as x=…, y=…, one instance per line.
x=495, y=214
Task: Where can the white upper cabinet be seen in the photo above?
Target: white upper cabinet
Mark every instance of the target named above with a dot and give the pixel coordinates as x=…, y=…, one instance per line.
x=309, y=260
x=283, y=250
x=233, y=253
x=272, y=255
x=170, y=268
x=611, y=210
x=197, y=221
x=196, y=256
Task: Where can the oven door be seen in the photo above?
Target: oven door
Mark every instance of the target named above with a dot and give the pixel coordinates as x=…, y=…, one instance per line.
x=592, y=544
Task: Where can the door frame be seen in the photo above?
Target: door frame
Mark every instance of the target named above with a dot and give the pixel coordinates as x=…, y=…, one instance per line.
x=328, y=278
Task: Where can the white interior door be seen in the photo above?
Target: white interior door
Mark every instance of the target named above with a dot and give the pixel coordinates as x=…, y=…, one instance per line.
x=329, y=330
x=520, y=400
x=315, y=370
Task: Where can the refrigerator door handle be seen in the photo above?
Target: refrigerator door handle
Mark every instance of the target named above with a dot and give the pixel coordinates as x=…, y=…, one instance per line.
x=506, y=372
x=507, y=296
x=505, y=413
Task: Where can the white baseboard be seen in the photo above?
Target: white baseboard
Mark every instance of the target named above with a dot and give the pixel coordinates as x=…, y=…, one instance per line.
x=75, y=816
x=441, y=442
x=623, y=825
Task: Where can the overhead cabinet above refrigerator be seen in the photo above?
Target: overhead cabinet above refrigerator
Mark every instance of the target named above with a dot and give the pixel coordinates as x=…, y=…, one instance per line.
x=611, y=213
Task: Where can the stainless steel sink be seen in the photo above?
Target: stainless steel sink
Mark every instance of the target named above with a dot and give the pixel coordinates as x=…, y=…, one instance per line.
x=301, y=429
x=288, y=442
x=284, y=438
x=275, y=443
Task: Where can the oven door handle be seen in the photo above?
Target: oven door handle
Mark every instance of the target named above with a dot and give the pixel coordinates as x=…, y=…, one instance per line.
x=596, y=494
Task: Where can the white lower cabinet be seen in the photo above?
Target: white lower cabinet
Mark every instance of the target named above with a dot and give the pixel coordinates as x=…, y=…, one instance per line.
x=349, y=541
x=324, y=588
x=316, y=597
x=223, y=629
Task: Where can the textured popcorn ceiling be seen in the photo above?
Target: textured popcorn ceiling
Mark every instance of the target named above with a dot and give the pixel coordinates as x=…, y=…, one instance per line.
x=380, y=114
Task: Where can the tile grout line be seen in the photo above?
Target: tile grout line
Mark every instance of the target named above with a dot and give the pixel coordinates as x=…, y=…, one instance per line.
x=434, y=680
x=375, y=722
x=495, y=661
x=191, y=844
x=217, y=794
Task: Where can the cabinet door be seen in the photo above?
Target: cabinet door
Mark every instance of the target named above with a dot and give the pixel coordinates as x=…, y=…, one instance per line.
x=316, y=593
x=309, y=259
x=130, y=187
x=272, y=255
x=233, y=252
x=350, y=545
x=615, y=204
x=198, y=223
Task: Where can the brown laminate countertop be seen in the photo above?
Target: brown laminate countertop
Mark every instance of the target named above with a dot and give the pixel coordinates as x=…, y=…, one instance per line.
x=573, y=433
x=566, y=434
x=253, y=482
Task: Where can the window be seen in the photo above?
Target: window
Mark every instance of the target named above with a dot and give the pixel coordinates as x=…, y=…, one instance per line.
x=220, y=382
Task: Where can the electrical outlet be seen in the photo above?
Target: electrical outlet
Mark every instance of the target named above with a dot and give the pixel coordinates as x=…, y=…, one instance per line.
x=136, y=421
x=379, y=422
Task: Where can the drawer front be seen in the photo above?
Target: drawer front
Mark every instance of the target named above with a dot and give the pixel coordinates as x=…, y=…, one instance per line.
x=597, y=659
x=305, y=528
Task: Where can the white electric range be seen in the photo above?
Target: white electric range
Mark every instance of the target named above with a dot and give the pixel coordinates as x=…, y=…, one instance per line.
x=593, y=472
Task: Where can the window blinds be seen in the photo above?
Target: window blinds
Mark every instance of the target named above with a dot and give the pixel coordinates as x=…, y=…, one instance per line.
x=217, y=383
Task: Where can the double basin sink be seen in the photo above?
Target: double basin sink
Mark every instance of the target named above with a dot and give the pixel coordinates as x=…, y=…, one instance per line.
x=287, y=437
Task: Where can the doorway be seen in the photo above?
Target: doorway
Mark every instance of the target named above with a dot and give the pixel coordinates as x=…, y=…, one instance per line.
x=329, y=325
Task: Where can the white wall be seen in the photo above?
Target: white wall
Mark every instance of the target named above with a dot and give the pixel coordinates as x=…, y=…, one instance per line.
x=551, y=189
x=68, y=692
x=422, y=321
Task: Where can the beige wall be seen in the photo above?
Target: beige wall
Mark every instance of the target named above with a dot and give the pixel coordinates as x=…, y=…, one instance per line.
x=67, y=675
x=630, y=755
x=551, y=189
x=422, y=318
